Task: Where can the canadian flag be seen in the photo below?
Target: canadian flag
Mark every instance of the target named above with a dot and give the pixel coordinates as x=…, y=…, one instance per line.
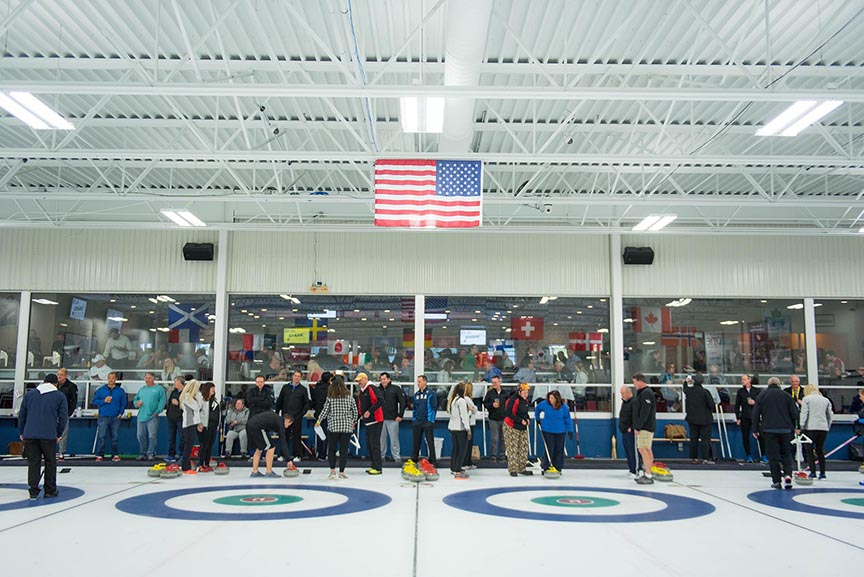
x=586, y=341
x=526, y=329
x=652, y=319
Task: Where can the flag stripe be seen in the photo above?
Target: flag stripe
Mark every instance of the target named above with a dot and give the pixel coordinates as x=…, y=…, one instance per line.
x=405, y=173
x=440, y=213
x=427, y=202
x=432, y=223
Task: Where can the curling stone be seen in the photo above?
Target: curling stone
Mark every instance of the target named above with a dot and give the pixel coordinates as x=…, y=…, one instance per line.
x=413, y=474
x=552, y=473
x=291, y=471
x=429, y=470
x=222, y=469
x=405, y=465
x=861, y=469
x=156, y=470
x=172, y=471
x=802, y=478
x=661, y=473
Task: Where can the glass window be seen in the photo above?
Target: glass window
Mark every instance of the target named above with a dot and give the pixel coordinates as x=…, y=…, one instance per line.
x=9, y=305
x=276, y=334
x=539, y=340
x=840, y=352
x=93, y=334
x=669, y=338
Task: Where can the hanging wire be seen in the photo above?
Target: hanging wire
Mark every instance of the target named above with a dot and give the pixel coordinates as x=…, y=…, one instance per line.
x=362, y=76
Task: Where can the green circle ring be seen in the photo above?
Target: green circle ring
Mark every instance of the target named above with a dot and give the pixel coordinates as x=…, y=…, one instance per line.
x=575, y=501
x=257, y=500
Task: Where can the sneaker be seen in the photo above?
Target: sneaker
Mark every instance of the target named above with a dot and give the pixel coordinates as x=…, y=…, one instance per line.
x=331, y=477
x=749, y=459
x=272, y=475
x=51, y=495
x=34, y=497
x=343, y=476
x=140, y=458
x=812, y=475
x=256, y=474
x=190, y=472
x=170, y=459
x=514, y=474
x=461, y=475
x=764, y=459
x=788, y=482
x=390, y=459
x=632, y=475
x=822, y=477
x=707, y=462
x=776, y=486
x=373, y=471
x=280, y=458
x=296, y=459
x=60, y=457
x=115, y=458
x=98, y=459
x=526, y=473
x=645, y=480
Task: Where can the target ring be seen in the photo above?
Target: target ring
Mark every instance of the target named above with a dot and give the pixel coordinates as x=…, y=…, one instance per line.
x=673, y=507
x=787, y=500
x=66, y=494
x=264, y=497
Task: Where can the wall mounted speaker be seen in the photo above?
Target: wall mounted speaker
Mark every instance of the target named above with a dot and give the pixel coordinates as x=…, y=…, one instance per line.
x=638, y=255
x=198, y=251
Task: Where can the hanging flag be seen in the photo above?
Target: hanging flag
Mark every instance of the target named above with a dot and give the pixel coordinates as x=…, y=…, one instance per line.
x=428, y=193
x=652, y=319
x=253, y=342
x=408, y=338
x=526, y=328
x=317, y=328
x=187, y=320
x=681, y=337
x=585, y=341
x=337, y=347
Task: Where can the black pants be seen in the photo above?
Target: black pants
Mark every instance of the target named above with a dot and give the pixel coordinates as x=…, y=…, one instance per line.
x=628, y=440
x=700, y=438
x=189, y=436
x=338, y=442
x=37, y=449
x=746, y=430
x=206, y=438
x=555, y=444
x=778, y=447
x=321, y=444
x=816, y=450
x=175, y=429
x=469, y=460
x=460, y=447
x=420, y=430
x=294, y=434
x=373, y=443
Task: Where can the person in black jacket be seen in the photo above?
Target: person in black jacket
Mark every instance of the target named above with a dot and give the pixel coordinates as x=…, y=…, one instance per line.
x=744, y=401
x=70, y=390
x=293, y=402
x=494, y=402
x=41, y=420
x=775, y=415
x=208, y=437
x=516, y=430
x=393, y=404
x=644, y=424
x=372, y=416
x=174, y=414
x=318, y=392
x=700, y=416
x=259, y=399
x=625, y=425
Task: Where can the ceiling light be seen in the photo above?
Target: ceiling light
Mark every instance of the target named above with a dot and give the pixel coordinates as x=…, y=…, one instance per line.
x=42, y=110
x=163, y=329
x=602, y=330
x=811, y=117
x=843, y=302
x=648, y=343
x=728, y=323
x=646, y=222
x=165, y=299
x=628, y=320
x=590, y=306
x=63, y=325
x=421, y=114
x=183, y=218
x=45, y=302
x=136, y=306
x=655, y=222
x=796, y=306
x=763, y=301
x=787, y=117
x=817, y=305
x=661, y=224
x=152, y=300
x=118, y=319
x=21, y=113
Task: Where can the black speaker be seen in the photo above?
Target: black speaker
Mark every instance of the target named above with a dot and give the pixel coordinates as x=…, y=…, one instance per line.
x=638, y=255
x=198, y=251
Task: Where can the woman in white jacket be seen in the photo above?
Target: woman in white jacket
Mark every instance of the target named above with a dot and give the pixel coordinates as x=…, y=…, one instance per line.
x=460, y=430
x=194, y=420
x=816, y=416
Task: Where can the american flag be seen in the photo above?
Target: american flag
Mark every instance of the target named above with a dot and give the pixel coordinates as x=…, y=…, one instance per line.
x=428, y=193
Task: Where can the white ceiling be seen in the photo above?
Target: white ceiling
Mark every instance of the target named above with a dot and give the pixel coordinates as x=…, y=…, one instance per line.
x=589, y=115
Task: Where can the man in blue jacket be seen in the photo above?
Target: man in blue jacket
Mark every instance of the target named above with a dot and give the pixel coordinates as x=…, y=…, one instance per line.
x=41, y=422
x=110, y=399
x=425, y=411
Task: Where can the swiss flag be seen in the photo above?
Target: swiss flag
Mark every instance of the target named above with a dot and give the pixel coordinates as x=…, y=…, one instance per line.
x=585, y=341
x=526, y=329
x=652, y=319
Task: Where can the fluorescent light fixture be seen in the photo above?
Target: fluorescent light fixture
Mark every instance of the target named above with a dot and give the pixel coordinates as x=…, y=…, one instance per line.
x=861, y=230
x=165, y=299
x=661, y=224
x=42, y=110
x=817, y=305
x=795, y=307
x=152, y=300
x=602, y=330
x=646, y=222
x=728, y=323
x=655, y=222
x=119, y=319
x=629, y=320
x=183, y=217
x=648, y=343
x=327, y=314
x=44, y=302
x=811, y=117
x=422, y=114
x=163, y=329
x=22, y=114
x=787, y=117
x=680, y=302
x=435, y=316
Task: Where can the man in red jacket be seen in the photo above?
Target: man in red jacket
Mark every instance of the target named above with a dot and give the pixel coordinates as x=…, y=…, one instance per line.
x=372, y=415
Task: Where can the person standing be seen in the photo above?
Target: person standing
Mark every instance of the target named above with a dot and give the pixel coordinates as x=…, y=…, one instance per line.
x=110, y=401
x=795, y=390
x=259, y=399
x=744, y=401
x=472, y=420
x=516, y=431
x=174, y=415
x=293, y=402
x=70, y=391
x=425, y=412
x=775, y=415
x=460, y=430
x=816, y=417
x=393, y=403
x=556, y=422
x=150, y=400
x=494, y=402
x=194, y=418
x=644, y=425
x=372, y=415
x=625, y=425
x=207, y=437
x=237, y=418
x=41, y=422
x=700, y=417
x=339, y=414
x=318, y=392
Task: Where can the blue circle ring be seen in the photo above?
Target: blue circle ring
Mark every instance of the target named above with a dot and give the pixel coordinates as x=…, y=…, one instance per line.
x=677, y=507
x=786, y=500
x=66, y=494
x=154, y=504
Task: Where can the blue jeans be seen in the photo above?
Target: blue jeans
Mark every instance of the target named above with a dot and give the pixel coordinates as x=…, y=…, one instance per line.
x=147, y=436
x=110, y=427
x=629, y=442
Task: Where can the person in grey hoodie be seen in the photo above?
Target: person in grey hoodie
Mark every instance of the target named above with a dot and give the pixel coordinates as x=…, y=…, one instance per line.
x=41, y=422
x=237, y=418
x=816, y=417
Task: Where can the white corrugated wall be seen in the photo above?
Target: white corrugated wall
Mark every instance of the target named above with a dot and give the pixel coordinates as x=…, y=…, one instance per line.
x=103, y=261
x=758, y=266
x=432, y=263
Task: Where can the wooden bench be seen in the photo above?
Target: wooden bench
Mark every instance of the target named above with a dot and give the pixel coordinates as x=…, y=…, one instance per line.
x=681, y=442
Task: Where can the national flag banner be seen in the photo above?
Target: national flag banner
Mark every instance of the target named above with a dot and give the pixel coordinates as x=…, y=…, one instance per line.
x=652, y=319
x=526, y=328
x=188, y=318
x=407, y=306
x=408, y=338
x=681, y=337
x=253, y=342
x=317, y=328
x=337, y=347
x=435, y=310
x=295, y=336
x=429, y=193
x=585, y=341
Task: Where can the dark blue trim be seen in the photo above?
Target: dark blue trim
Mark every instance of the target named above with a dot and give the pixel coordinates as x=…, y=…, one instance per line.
x=786, y=500
x=66, y=494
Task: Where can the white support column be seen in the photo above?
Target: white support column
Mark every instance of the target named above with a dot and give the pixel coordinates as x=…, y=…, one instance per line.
x=21, y=349
x=220, y=337
x=810, y=341
x=616, y=320
x=419, y=334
